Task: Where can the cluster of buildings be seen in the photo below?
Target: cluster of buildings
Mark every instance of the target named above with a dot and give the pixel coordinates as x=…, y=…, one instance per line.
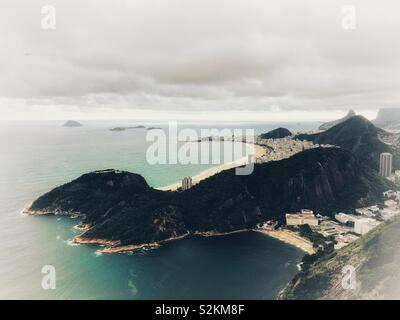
x=269, y=225
x=285, y=148
x=279, y=149
x=346, y=228
x=360, y=224
x=366, y=219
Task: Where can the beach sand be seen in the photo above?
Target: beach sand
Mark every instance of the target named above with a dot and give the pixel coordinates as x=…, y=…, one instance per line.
x=258, y=150
x=290, y=238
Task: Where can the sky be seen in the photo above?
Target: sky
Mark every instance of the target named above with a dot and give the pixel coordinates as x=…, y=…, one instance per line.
x=208, y=60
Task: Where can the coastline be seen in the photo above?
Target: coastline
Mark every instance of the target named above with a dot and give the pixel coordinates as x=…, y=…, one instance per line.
x=291, y=238
x=113, y=246
x=285, y=236
x=259, y=151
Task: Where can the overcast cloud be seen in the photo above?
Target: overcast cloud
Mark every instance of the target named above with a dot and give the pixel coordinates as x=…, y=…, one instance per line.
x=146, y=57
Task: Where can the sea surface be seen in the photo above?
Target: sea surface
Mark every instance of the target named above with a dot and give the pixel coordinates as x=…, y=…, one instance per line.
x=38, y=156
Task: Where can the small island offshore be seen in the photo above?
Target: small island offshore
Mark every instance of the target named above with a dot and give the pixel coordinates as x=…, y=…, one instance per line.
x=117, y=129
x=338, y=173
x=72, y=124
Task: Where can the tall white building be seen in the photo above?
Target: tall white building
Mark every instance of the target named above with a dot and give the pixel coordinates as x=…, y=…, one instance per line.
x=385, y=168
x=186, y=183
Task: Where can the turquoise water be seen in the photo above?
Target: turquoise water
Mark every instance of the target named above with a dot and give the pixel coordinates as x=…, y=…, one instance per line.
x=40, y=156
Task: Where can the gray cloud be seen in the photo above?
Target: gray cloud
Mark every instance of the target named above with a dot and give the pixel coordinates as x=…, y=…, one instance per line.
x=201, y=55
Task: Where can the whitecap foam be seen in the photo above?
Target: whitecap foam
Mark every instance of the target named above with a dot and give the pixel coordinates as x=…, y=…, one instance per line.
x=71, y=243
x=98, y=253
x=299, y=266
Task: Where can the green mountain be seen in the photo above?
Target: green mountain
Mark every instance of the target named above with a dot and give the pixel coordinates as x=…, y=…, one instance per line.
x=375, y=258
x=121, y=206
x=357, y=135
x=278, y=133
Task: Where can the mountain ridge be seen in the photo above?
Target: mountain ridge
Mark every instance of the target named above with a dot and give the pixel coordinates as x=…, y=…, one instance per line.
x=359, y=136
x=330, y=124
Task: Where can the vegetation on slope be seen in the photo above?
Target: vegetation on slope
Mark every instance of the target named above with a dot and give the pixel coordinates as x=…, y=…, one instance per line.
x=375, y=257
x=121, y=206
x=359, y=136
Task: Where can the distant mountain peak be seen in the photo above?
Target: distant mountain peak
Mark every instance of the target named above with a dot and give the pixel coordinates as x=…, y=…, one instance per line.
x=328, y=125
x=388, y=117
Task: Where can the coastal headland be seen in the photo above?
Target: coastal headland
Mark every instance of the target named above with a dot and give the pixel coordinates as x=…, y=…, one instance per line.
x=125, y=213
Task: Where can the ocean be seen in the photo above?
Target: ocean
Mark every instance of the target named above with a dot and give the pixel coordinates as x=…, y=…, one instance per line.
x=38, y=156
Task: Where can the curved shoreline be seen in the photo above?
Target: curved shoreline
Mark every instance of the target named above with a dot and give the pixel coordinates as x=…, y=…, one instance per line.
x=116, y=247
x=259, y=152
x=290, y=238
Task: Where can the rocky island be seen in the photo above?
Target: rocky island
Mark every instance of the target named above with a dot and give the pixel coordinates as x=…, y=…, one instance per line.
x=127, y=128
x=72, y=124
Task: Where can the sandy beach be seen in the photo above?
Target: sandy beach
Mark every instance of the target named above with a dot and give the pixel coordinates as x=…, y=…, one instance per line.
x=290, y=238
x=259, y=152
